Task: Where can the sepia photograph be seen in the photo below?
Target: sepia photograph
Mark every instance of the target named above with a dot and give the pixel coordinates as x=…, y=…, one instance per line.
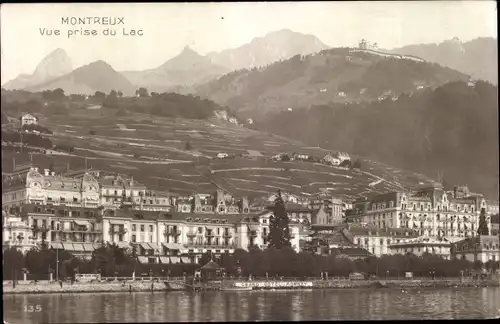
x=249, y=161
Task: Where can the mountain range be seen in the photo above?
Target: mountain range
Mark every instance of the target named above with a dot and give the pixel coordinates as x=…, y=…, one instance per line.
x=261, y=51
x=185, y=69
x=54, y=65
x=477, y=57
x=96, y=76
x=334, y=75
x=257, y=70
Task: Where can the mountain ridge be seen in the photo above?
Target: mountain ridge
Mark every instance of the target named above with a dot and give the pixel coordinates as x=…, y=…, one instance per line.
x=186, y=68
x=474, y=57
x=261, y=51
x=53, y=65
x=96, y=76
x=334, y=75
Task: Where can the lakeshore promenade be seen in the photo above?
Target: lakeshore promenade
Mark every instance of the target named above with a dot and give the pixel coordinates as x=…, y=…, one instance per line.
x=146, y=286
x=87, y=287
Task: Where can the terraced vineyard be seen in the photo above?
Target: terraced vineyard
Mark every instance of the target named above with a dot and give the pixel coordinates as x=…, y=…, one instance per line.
x=156, y=152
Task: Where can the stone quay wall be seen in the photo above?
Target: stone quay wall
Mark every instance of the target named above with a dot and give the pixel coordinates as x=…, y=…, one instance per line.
x=55, y=287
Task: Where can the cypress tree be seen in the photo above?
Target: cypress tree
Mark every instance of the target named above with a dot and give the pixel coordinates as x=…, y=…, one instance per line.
x=279, y=232
x=483, y=227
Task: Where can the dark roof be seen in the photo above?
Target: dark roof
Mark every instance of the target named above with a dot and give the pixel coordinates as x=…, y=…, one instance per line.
x=293, y=207
x=353, y=252
x=211, y=265
x=186, y=217
x=55, y=210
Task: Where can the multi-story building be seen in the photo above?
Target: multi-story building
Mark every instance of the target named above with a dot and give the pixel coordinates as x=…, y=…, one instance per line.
x=75, y=229
x=296, y=212
x=495, y=220
x=421, y=245
x=27, y=185
x=287, y=197
x=482, y=248
x=374, y=240
x=16, y=233
x=155, y=201
x=154, y=236
x=430, y=211
x=327, y=211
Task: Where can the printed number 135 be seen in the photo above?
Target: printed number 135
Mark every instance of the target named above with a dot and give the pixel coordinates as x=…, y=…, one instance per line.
x=33, y=308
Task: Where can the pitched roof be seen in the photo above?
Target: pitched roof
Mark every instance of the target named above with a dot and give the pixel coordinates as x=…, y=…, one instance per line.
x=211, y=265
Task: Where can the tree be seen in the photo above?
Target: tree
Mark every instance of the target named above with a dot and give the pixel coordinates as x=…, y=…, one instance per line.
x=120, y=94
x=279, y=232
x=357, y=164
x=113, y=94
x=142, y=92
x=188, y=146
x=346, y=164
x=58, y=94
x=483, y=227
x=285, y=158
x=99, y=95
x=13, y=262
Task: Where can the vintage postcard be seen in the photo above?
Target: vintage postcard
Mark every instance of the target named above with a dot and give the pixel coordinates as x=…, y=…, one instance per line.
x=251, y=161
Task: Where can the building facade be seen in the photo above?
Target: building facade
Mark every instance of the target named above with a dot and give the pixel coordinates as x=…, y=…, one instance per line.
x=152, y=235
x=28, y=119
x=16, y=233
x=482, y=248
x=429, y=211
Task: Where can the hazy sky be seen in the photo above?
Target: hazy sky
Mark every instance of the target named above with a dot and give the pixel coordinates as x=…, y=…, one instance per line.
x=168, y=27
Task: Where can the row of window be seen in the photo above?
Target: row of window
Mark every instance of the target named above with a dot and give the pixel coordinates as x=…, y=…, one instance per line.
x=422, y=206
x=64, y=212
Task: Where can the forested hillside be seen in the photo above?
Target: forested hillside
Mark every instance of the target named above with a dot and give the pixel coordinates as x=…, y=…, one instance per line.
x=334, y=75
x=452, y=130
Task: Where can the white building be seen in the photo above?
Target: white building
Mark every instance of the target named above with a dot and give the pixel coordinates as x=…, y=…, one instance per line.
x=429, y=211
x=480, y=248
x=342, y=156
x=28, y=119
x=421, y=245
x=16, y=233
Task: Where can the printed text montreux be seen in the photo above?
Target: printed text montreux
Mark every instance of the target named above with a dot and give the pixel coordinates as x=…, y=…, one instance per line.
x=93, y=20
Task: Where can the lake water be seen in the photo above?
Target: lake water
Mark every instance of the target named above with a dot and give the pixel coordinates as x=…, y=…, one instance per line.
x=387, y=304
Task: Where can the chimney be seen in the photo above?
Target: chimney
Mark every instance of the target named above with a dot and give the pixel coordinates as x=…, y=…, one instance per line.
x=46, y=172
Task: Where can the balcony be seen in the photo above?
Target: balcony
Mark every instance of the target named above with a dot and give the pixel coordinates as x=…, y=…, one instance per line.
x=209, y=234
x=40, y=229
x=228, y=235
x=210, y=246
x=174, y=232
x=191, y=234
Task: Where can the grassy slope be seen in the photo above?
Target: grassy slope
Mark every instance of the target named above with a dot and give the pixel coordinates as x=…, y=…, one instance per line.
x=184, y=171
